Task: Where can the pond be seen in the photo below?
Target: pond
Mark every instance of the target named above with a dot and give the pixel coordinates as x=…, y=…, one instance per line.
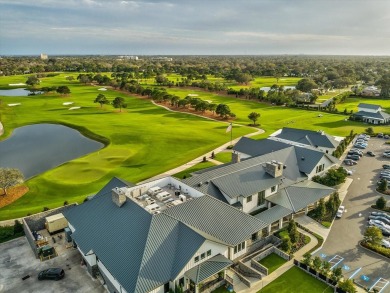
x=267, y=88
x=34, y=149
x=17, y=92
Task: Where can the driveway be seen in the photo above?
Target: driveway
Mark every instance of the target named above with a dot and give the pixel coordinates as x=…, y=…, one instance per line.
x=17, y=261
x=348, y=231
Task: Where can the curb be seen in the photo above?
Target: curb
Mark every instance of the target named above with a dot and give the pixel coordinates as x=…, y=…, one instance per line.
x=378, y=254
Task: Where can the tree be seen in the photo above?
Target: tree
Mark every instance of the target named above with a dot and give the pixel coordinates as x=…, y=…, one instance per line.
x=337, y=273
x=32, y=80
x=384, y=83
x=383, y=186
x=243, y=78
x=348, y=286
x=119, y=102
x=317, y=263
x=373, y=235
x=306, y=85
x=63, y=90
x=223, y=110
x=370, y=131
x=10, y=177
x=70, y=78
x=307, y=258
x=161, y=79
x=325, y=267
x=321, y=209
x=381, y=203
x=286, y=244
x=254, y=116
x=101, y=99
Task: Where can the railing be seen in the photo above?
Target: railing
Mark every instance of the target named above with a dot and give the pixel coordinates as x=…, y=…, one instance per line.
x=229, y=279
x=211, y=286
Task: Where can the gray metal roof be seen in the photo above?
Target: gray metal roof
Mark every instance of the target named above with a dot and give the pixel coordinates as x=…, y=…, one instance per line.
x=114, y=182
x=261, y=147
x=208, y=268
x=308, y=159
x=140, y=250
x=369, y=106
x=273, y=214
x=377, y=115
x=219, y=221
x=308, y=137
x=298, y=196
x=245, y=182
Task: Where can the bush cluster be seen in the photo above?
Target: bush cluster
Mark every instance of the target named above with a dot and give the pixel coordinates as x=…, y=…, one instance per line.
x=332, y=177
x=343, y=145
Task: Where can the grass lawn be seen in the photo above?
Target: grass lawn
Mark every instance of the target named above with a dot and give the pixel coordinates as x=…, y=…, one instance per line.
x=296, y=281
x=224, y=157
x=197, y=167
x=276, y=117
x=353, y=102
x=144, y=140
x=272, y=262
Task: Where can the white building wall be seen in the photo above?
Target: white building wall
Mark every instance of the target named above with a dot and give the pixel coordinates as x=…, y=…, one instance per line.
x=248, y=207
x=238, y=254
x=327, y=165
x=113, y=281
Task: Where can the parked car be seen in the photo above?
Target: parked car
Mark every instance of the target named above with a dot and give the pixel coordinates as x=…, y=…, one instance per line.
x=355, y=153
x=340, y=211
x=349, y=172
x=386, y=136
x=379, y=224
x=385, y=220
x=349, y=162
x=371, y=154
x=357, y=150
x=360, y=146
x=386, y=166
x=386, y=155
x=385, y=243
x=51, y=274
x=381, y=214
x=380, y=135
x=354, y=157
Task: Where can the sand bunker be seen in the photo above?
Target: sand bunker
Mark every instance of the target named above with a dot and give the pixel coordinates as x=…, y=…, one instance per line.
x=16, y=84
x=74, y=108
x=67, y=103
x=13, y=105
x=102, y=89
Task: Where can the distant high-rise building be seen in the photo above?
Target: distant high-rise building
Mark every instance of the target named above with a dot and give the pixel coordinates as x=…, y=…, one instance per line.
x=44, y=56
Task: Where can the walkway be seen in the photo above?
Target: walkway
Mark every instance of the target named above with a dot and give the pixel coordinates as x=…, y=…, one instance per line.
x=284, y=268
x=1, y=129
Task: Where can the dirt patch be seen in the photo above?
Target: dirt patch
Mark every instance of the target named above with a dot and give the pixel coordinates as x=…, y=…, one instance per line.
x=13, y=194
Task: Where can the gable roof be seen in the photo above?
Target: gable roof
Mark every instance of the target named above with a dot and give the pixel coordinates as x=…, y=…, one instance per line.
x=141, y=250
x=308, y=137
x=377, y=115
x=216, y=220
x=298, y=196
x=255, y=148
x=369, y=106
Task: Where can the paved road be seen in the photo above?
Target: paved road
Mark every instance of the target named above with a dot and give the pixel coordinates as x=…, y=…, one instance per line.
x=348, y=231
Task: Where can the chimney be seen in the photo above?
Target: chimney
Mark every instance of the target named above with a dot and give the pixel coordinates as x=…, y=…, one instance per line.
x=118, y=196
x=273, y=168
x=236, y=157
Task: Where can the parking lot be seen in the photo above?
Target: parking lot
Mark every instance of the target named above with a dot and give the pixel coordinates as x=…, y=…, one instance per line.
x=346, y=232
x=17, y=261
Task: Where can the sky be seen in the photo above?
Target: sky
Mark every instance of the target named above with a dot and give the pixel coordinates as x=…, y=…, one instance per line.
x=195, y=27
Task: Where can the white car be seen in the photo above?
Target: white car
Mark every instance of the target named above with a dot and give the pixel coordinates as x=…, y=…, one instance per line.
x=349, y=172
x=385, y=243
x=340, y=211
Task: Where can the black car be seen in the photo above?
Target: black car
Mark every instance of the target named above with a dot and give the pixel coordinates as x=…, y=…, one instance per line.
x=51, y=274
x=385, y=166
x=353, y=157
x=370, y=153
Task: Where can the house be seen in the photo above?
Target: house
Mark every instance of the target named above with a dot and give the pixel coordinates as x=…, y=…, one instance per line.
x=370, y=91
x=44, y=56
x=188, y=240
x=317, y=139
x=371, y=113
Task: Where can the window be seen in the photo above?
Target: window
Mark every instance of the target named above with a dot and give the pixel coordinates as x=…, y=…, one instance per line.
x=203, y=255
x=208, y=252
x=273, y=188
x=249, y=198
x=254, y=237
x=196, y=259
x=261, y=198
x=239, y=247
x=320, y=168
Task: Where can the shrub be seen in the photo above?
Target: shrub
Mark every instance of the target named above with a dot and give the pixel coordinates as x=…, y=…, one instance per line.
x=18, y=227
x=45, y=209
x=286, y=245
x=383, y=186
x=377, y=248
x=381, y=203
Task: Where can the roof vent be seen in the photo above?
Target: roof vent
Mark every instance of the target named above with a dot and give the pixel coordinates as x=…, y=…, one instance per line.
x=302, y=158
x=200, y=184
x=284, y=166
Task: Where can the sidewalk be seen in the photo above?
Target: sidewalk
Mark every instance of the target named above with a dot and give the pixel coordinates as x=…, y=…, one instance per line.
x=284, y=268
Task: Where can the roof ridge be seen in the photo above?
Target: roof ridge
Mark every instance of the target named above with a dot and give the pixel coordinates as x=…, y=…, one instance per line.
x=289, y=199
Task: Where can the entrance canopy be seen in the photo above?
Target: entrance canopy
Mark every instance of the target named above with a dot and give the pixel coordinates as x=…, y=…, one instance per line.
x=208, y=268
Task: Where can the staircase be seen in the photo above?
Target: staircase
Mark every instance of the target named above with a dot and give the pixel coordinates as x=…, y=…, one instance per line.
x=238, y=285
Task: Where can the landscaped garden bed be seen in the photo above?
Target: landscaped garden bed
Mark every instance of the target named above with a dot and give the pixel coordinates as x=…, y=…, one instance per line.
x=292, y=240
x=325, y=212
